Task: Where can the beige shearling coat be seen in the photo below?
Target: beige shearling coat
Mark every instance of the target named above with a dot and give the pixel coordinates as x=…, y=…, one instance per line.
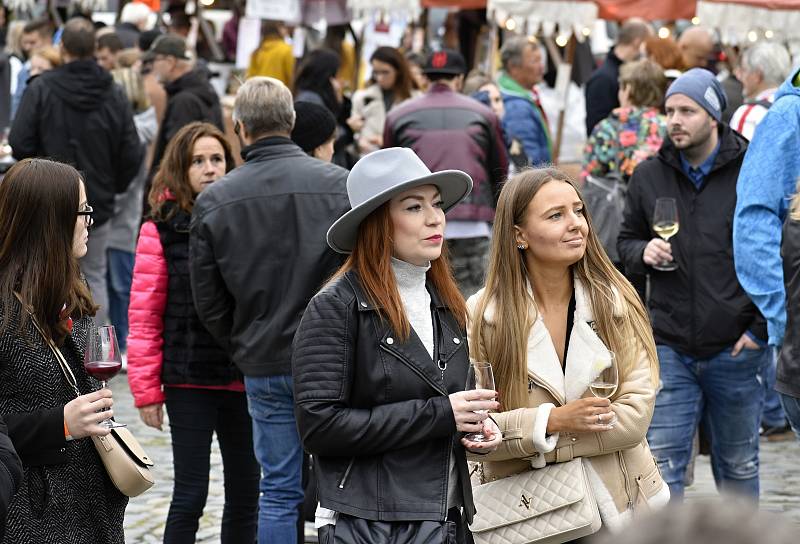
x=622, y=471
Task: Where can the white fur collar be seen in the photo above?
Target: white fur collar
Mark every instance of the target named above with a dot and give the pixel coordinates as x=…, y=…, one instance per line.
x=585, y=349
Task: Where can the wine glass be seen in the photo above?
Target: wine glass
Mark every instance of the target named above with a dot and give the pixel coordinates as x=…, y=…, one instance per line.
x=103, y=359
x=479, y=376
x=666, y=224
x=606, y=379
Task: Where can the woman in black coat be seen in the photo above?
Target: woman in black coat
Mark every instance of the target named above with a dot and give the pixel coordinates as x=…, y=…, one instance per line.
x=380, y=363
x=10, y=474
x=66, y=495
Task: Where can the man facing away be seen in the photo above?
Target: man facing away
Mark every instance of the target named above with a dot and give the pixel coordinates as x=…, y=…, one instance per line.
x=603, y=85
x=711, y=339
x=762, y=69
x=76, y=114
x=257, y=256
x=767, y=183
x=451, y=131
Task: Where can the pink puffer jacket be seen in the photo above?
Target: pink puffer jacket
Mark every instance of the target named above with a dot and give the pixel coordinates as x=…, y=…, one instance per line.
x=146, y=318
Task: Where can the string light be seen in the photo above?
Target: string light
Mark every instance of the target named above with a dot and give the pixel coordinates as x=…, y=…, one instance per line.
x=562, y=40
x=511, y=24
x=663, y=33
x=695, y=20
x=769, y=34
x=752, y=36
x=586, y=31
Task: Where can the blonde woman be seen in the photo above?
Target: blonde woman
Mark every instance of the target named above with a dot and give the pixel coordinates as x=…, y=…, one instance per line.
x=553, y=305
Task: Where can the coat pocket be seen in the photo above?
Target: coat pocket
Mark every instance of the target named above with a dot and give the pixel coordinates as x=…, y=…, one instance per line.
x=38, y=488
x=649, y=484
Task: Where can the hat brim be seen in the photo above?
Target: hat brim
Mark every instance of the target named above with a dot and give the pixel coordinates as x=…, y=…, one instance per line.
x=453, y=185
x=444, y=71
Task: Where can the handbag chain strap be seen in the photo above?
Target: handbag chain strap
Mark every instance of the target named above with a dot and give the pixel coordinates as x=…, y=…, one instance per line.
x=62, y=362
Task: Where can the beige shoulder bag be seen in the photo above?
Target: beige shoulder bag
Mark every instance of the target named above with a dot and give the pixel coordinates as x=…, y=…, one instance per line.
x=127, y=464
x=549, y=505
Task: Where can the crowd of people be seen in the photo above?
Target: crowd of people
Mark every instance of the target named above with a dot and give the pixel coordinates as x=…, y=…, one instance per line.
x=319, y=307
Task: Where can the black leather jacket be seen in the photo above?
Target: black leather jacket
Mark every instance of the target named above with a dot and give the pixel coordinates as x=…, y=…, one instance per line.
x=257, y=250
x=374, y=410
x=788, y=378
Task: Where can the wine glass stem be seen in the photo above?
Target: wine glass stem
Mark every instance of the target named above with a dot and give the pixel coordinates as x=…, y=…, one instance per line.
x=102, y=384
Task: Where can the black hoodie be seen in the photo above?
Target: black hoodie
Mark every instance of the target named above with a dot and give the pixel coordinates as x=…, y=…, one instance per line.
x=189, y=98
x=700, y=308
x=76, y=114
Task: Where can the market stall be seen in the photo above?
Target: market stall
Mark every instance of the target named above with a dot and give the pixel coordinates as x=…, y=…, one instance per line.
x=742, y=21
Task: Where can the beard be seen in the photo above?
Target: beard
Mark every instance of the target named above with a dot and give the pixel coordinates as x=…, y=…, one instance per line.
x=685, y=140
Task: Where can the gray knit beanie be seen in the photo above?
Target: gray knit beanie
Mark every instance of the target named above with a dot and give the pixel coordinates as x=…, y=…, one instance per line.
x=701, y=86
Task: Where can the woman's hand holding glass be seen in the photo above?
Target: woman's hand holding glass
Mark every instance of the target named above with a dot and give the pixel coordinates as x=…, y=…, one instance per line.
x=470, y=408
x=492, y=438
x=83, y=415
x=587, y=415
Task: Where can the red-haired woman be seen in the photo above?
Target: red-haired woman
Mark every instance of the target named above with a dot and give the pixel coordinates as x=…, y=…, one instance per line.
x=380, y=362
x=173, y=359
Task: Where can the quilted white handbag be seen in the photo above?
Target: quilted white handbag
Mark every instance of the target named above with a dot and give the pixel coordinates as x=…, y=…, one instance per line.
x=549, y=505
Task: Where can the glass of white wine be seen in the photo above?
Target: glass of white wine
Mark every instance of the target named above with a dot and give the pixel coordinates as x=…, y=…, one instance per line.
x=606, y=381
x=666, y=224
x=479, y=376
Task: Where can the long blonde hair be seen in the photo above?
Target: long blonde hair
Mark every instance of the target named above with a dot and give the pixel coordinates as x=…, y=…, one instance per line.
x=515, y=310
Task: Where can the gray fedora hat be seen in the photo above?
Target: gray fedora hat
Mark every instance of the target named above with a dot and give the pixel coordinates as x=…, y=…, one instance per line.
x=378, y=177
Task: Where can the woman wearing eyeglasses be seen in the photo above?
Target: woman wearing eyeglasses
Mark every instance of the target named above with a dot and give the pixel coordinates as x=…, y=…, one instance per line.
x=174, y=361
x=66, y=495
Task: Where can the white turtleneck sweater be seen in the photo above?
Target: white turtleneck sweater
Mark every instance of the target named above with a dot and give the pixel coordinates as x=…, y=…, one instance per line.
x=416, y=301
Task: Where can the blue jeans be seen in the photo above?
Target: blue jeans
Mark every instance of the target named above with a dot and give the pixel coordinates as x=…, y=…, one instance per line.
x=120, y=275
x=773, y=415
x=791, y=405
x=730, y=392
x=270, y=400
x=194, y=416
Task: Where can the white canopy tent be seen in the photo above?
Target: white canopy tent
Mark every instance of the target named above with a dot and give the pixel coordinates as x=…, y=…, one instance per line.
x=574, y=17
x=742, y=21
x=364, y=8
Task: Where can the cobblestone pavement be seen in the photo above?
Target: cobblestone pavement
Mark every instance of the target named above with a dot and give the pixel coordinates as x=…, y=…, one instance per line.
x=146, y=514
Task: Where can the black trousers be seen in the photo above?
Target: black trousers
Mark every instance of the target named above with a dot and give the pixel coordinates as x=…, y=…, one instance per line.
x=194, y=416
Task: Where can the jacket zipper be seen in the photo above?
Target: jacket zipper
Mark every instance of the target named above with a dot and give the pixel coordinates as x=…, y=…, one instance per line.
x=437, y=387
x=626, y=478
x=346, y=473
x=545, y=387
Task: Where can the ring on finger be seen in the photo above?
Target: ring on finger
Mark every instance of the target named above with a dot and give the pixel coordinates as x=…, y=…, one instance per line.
x=599, y=419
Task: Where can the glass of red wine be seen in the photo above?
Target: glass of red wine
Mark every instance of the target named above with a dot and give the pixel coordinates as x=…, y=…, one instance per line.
x=103, y=359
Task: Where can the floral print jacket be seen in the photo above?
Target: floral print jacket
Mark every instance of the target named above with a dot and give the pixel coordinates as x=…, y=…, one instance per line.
x=621, y=141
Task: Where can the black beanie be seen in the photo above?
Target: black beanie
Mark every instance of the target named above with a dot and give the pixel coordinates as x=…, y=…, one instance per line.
x=313, y=126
